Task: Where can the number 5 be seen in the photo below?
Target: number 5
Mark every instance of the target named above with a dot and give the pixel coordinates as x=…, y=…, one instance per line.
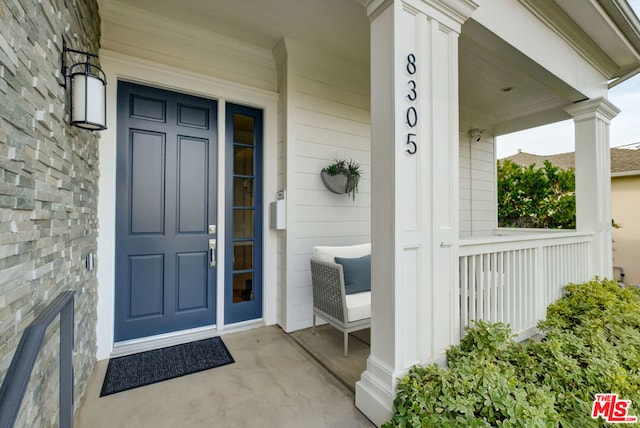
x=414, y=146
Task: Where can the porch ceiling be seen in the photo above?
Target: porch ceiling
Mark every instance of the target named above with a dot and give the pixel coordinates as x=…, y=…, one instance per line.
x=339, y=27
x=488, y=65
x=502, y=89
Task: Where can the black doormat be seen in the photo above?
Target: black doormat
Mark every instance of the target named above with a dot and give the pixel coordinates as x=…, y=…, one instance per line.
x=145, y=368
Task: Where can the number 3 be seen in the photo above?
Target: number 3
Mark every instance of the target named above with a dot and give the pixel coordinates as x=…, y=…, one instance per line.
x=413, y=95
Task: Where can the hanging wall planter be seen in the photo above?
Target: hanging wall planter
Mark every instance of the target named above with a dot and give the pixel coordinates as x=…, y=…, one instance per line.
x=342, y=176
x=335, y=183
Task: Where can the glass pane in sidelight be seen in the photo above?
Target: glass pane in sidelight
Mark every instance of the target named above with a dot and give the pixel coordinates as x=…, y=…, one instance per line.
x=243, y=192
x=242, y=255
x=243, y=129
x=242, y=287
x=242, y=160
x=242, y=224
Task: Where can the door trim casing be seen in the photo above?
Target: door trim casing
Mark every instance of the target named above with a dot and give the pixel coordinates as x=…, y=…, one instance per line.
x=123, y=67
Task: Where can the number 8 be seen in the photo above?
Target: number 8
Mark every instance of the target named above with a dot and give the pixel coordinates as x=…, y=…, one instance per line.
x=411, y=64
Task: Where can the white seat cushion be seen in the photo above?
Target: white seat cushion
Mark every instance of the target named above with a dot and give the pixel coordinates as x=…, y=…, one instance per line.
x=358, y=306
x=328, y=254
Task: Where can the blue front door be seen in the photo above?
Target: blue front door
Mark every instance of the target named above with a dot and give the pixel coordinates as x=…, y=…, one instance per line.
x=165, y=207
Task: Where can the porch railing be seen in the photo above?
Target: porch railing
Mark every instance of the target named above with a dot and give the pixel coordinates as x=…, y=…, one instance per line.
x=17, y=378
x=512, y=279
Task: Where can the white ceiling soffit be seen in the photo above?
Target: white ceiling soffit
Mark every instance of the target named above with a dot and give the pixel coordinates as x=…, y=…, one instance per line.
x=605, y=32
x=500, y=88
x=503, y=89
x=337, y=27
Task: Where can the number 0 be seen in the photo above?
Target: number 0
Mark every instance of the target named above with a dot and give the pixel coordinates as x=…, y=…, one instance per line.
x=412, y=117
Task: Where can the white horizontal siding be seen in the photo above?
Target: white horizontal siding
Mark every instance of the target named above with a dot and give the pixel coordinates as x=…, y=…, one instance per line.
x=465, y=185
x=328, y=118
x=165, y=41
x=478, y=210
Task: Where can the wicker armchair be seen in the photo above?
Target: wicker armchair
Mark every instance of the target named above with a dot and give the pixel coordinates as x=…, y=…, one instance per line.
x=347, y=313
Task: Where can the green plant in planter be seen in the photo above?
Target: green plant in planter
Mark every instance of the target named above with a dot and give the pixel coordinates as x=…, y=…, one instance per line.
x=338, y=167
x=347, y=168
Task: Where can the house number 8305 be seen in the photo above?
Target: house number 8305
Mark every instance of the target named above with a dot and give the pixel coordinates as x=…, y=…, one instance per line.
x=412, y=113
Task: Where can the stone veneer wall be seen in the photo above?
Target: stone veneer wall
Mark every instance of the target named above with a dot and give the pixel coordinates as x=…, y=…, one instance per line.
x=48, y=192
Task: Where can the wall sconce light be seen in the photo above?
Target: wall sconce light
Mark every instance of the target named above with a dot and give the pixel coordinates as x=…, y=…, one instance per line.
x=476, y=134
x=87, y=91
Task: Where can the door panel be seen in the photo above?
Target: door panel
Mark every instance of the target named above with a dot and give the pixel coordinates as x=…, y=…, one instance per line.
x=192, y=281
x=192, y=190
x=143, y=107
x=243, y=278
x=166, y=198
x=147, y=285
x=147, y=182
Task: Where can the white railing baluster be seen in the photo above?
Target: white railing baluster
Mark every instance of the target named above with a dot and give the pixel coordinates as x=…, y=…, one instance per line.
x=473, y=281
x=501, y=287
x=549, y=268
x=538, y=284
x=522, y=284
x=514, y=278
x=545, y=262
x=491, y=296
x=497, y=289
x=554, y=266
x=526, y=302
x=464, y=292
x=515, y=265
x=530, y=302
x=512, y=287
x=481, y=292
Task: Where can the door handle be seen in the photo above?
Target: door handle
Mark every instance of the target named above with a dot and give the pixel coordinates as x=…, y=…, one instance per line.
x=212, y=253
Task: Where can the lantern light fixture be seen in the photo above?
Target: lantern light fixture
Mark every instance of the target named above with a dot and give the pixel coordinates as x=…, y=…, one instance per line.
x=87, y=90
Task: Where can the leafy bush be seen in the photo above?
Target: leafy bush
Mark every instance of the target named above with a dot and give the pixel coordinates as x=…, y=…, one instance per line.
x=591, y=345
x=536, y=197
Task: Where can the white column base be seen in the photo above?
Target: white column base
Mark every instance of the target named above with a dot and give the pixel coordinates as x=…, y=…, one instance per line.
x=376, y=390
x=373, y=401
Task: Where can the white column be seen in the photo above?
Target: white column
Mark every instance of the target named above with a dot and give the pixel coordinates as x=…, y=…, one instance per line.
x=414, y=219
x=593, y=178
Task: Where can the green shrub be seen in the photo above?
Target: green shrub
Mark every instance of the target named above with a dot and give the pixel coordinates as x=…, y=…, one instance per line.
x=591, y=345
x=541, y=197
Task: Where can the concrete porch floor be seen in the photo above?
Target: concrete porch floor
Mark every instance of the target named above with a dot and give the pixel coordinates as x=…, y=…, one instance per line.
x=273, y=383
x=326, y=347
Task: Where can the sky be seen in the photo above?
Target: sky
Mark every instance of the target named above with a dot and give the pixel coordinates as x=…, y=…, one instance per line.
x=559, y=137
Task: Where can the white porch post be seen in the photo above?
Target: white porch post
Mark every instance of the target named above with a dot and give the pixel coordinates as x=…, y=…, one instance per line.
x=593, y=178
x=414, y=219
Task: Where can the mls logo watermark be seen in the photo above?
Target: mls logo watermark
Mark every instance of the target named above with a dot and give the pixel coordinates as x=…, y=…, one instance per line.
x=612, y=409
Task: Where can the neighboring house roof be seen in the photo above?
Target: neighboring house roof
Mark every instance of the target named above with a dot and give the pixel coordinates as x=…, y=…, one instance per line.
x=624, y=161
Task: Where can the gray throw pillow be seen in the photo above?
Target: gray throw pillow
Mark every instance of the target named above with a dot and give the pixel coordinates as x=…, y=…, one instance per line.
x=357, y=273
